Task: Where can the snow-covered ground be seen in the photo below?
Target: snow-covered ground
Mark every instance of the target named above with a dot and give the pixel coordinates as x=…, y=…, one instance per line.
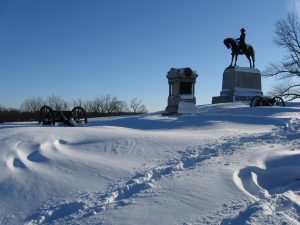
x=230, y=165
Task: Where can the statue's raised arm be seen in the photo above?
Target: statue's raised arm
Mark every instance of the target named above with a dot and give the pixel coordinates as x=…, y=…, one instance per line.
x=239, y=46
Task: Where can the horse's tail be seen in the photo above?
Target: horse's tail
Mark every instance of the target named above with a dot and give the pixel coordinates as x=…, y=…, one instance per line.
x=253, y=51
x=252, y=54
x=253, y=58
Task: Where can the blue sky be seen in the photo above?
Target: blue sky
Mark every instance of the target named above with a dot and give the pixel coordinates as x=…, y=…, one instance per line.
x=78, y=48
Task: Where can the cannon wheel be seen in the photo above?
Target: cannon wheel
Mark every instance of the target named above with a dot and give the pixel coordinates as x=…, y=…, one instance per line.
x=256, y=101
x=79, y=114
x=46, y=116
x=278, y=101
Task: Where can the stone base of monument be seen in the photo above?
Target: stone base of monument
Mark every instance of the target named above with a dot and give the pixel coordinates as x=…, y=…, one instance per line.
x=187, y=105
x=239, y=84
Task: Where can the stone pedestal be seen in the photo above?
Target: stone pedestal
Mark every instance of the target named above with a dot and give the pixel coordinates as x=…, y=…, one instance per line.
x=239, y=84
x=181, y=98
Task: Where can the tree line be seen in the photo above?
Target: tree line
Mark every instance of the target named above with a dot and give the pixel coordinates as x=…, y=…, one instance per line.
x=100, y=106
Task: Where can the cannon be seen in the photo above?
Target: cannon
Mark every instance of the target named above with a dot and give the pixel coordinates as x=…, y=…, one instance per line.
x=77, y=115
x=266, y=101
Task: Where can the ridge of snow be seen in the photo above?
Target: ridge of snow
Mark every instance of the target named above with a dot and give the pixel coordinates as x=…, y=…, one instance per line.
x=230, y=165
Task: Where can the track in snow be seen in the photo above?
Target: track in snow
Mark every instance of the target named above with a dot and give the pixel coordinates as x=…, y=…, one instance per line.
x=125, y=192
x=275, y=188
x=120, y=194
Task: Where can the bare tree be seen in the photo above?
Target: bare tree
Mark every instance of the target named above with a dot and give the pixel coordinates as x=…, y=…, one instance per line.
x=32, y=104
x=109, y=102
x=57, y=103
x=88, y=105
x=287, y=36
x=98, y=105
x=121, y=106
x=77, y=102
x=137, y=107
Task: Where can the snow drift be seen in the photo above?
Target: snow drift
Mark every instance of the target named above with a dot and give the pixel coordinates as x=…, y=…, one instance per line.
x=230, y=165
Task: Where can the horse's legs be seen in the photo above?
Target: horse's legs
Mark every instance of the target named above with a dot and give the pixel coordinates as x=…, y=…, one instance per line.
x=249, y=59
x=253, y=61
x=232, y=55
x=236, y=57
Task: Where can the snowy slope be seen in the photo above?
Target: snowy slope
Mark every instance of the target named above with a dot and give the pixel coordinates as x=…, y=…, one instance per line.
x=230, y=165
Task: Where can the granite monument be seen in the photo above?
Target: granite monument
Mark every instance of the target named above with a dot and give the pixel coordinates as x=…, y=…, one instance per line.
x=181, y=98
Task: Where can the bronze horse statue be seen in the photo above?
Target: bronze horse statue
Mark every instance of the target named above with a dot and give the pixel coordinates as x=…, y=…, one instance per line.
x=235, y=51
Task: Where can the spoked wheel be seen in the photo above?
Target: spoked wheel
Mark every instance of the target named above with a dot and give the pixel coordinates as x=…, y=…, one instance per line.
x=278, y=101
x=256, y=101
x=46, y=116
x=79, y=114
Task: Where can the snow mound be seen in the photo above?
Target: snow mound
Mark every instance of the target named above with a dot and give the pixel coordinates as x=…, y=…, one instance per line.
x=274, y=184
x=280, y=175
x=230, y=165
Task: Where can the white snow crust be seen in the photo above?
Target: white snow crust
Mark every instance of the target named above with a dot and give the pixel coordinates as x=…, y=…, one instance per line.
x=231, y=164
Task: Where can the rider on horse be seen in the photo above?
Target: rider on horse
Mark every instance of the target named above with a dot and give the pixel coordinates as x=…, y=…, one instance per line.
x=238, y=47
x=242, y=43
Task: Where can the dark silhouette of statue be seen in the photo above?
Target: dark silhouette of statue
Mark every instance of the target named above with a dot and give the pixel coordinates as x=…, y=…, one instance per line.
x=239, y=47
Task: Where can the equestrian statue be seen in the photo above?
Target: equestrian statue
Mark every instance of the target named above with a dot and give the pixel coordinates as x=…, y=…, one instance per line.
x=239, y=47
